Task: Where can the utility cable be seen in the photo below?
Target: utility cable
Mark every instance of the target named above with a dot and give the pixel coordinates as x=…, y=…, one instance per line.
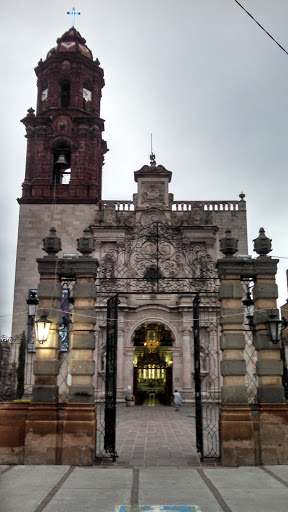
x=216, y=317
x=278, y=44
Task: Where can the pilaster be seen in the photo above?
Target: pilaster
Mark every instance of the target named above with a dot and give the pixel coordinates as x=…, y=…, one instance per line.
x=46, y=364
x=128, y=370
x=269, y=365
x=186, y=350
x=232, y=342
x=120, y=348
x=82, y=365
x=236, y=424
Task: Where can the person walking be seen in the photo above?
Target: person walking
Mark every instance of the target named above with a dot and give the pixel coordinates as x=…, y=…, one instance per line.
x=177, y=399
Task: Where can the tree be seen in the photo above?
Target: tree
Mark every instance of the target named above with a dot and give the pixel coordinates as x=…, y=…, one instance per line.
x=21, y=366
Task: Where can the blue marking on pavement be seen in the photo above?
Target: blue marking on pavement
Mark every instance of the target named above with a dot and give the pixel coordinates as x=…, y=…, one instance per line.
x=160, y=508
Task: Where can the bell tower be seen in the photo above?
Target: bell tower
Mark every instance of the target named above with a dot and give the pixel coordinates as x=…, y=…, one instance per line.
x=65, y=156
x=65, y=149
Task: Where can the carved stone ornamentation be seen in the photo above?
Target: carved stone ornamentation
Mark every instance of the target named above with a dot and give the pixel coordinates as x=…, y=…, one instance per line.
x=85, y=244
x=262, y=244
x=62, y=125
x=152, y=194
x=177, y=264
x=196, y=215
x=110, y=216
x=152, y=216
x=106, y=268
x=129, y=221
x=52, y=243
x=228, y=244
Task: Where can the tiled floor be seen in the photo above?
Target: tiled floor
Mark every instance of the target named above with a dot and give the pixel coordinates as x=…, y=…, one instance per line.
x=156, y=436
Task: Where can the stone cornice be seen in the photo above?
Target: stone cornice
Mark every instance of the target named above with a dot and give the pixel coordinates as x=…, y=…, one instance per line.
x=247, y=268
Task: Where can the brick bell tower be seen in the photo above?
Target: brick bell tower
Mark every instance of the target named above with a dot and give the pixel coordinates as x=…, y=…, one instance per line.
x=65, y=155
x=65, y=149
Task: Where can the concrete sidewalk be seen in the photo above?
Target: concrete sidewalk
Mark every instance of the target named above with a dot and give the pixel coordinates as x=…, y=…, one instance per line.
x=110, y=489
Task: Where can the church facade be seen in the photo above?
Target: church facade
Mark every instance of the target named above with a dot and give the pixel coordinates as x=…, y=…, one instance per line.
x=136, y=293
x=155, y=252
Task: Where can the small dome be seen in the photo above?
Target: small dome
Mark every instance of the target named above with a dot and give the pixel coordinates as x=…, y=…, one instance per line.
x=71, y=42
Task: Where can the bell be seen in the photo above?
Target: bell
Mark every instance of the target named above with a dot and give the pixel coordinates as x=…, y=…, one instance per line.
x=62, y=161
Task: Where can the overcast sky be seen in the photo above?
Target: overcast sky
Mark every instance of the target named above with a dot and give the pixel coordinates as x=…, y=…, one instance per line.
x=199, y=74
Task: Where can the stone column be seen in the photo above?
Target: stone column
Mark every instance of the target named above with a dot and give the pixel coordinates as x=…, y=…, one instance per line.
x=82, y=365
x=187, y=368
x=42, y=415
x=128, y=370
x=232, y=342
x=272, y=411
x=236, y=425
x=269, y=365
x=79, y=426
x=46, y=365
x=177, y=369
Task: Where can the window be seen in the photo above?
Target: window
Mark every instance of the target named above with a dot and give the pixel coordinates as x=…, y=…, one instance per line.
x=44, y=94
x=87, y=96
x=43, y=97
x=65, y=94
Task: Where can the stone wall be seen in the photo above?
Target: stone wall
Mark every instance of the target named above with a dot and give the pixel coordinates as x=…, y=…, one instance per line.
x=35, y=222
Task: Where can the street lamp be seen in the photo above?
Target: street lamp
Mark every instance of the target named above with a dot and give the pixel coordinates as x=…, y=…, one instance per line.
x=32, y=302
x=248, y=304
x=42, y=327
x=274, y=326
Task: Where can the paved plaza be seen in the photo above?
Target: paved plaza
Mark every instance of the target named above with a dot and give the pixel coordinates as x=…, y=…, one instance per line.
x=156, y=436
x=158, y=470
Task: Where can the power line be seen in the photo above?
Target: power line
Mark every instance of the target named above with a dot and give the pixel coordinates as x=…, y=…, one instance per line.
x=261, y=27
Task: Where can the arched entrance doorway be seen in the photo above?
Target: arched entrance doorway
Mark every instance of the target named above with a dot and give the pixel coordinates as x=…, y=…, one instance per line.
x=153, y=360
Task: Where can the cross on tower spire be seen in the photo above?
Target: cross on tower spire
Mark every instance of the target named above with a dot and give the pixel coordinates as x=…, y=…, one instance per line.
x=73, y=13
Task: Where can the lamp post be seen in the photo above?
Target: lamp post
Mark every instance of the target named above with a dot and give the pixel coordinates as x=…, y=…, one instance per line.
x=42, y=327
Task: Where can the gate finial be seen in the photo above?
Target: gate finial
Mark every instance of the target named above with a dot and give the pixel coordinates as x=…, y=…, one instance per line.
x=228, y=244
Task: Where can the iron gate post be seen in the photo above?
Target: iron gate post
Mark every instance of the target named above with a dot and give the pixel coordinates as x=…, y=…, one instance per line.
x=111, y=377
x=197, y=376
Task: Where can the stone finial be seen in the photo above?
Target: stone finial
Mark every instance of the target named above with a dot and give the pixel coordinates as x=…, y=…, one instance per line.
x=242, y=196
x=52, y=243
x=228, y=244
x=30, y=112
x=262, y=244
x=85, y=244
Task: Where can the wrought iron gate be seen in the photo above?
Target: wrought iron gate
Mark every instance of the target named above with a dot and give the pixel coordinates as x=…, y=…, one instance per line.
x=159, y=258
x=106, y=424
x=207, y=374
x=197, y=376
